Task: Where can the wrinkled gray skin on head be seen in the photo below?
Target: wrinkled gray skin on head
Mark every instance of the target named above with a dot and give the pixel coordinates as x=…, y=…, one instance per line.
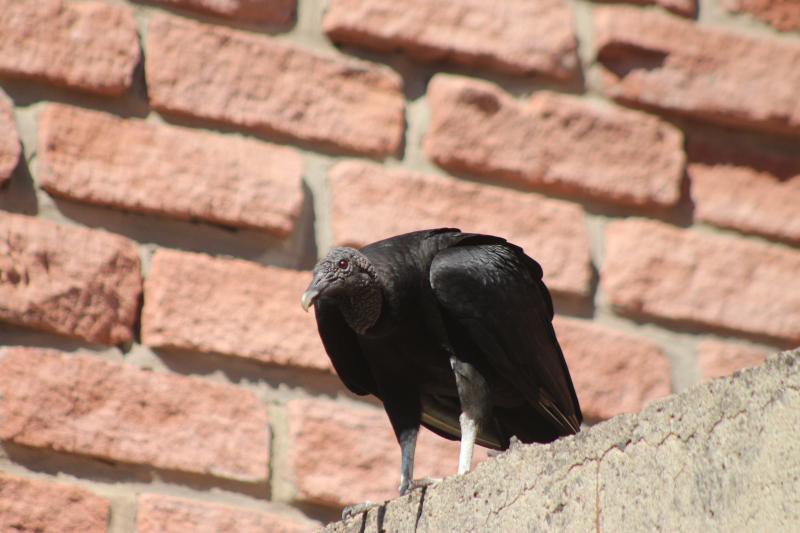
x=346, y=277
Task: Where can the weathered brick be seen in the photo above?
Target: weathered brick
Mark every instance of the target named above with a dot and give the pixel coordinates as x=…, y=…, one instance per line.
x=550, y=142
x=74, y=281
x=176, y=172
x=83, y=405
x=370, y=202
x=717, y=359
x=90, y=46
x=613, y=372
x=471, y=33
x=34, y=506
x=278, y=12
x=340, y=455
x=232, y=307
x=10, y=147
x=167, y=514
x=687, y=8
x=782, y=14
x=754, y=191
x=270, y=86
x=701, y=72
x=655, y=270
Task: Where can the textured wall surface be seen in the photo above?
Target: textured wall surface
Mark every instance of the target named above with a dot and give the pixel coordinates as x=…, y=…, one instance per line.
x=170, y=171
x=724, y=456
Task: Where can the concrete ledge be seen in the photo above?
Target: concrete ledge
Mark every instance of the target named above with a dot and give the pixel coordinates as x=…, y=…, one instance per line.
x=724, y=456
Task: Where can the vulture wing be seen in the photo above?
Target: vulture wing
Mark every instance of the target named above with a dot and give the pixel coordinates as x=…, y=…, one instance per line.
x=498, y=315
x=343, y=350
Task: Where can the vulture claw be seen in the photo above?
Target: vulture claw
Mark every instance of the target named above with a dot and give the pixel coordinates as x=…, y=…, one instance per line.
x=357, y=509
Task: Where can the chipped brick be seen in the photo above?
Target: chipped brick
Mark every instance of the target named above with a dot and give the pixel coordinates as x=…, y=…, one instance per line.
x=701, y=72
x=471, y=33
x=74, y=281
x=83, y=405
x=166, y=170
x=232, y=307
x=33, y=506
x=613, y=372
x=550, y=142
x=167, y=514
x=655, y=270
x=90, y=46
x=266, y=85
x=717, y=359
x=10, y=147
x=750, y=190
x=277, y=12
x=334, y=446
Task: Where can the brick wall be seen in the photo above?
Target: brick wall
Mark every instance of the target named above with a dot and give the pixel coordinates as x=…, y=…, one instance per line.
x=171, y=170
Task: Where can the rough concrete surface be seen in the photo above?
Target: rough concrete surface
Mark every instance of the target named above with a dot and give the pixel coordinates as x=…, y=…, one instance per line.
x=724, y=456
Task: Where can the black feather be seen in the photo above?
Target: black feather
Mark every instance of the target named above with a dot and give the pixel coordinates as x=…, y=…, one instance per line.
x=445, y=293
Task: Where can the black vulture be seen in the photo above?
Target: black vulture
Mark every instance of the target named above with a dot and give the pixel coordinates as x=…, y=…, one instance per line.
x=450, y=330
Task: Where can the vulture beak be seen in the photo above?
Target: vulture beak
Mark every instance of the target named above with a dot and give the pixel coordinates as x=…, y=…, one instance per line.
x=308, y=298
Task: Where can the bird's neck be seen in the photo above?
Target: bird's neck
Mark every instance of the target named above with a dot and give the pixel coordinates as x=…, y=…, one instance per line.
x=362, y=309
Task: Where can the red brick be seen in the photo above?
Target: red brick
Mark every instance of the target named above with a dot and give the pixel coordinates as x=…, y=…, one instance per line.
x=752, y=191
x=90, y=46
x=175, y=172
x=687, y=8
x=550, y=142
x=655, y=270
x=269, y=86
x=278, y=12
x=34, y=506
x=782, y=14
x=166, y=514
x=717, y=359
x=232, y=307
x=340, y=455
x=10, y=147
x=613, y=372
x=470, y=33
x=83, y=405
x=74, y=281
x=701, y=72
x=370, y=202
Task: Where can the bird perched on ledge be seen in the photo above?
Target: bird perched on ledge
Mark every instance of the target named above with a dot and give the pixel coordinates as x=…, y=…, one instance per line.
x=450, y=330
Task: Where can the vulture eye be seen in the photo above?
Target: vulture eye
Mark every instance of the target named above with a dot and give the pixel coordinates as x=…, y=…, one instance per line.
x=343, y=263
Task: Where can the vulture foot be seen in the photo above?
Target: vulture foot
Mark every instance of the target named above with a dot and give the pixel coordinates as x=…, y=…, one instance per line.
x=357, y=509
x=418, y=484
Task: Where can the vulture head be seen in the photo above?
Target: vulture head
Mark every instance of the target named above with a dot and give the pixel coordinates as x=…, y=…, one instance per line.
x=346, y=278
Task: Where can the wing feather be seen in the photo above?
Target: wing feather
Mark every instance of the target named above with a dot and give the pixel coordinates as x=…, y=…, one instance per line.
x=495, y=294
x=343, y=349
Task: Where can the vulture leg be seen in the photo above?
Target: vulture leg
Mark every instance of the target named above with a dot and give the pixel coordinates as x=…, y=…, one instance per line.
x=473, y=393
x=402, y=404
x=408, y=443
